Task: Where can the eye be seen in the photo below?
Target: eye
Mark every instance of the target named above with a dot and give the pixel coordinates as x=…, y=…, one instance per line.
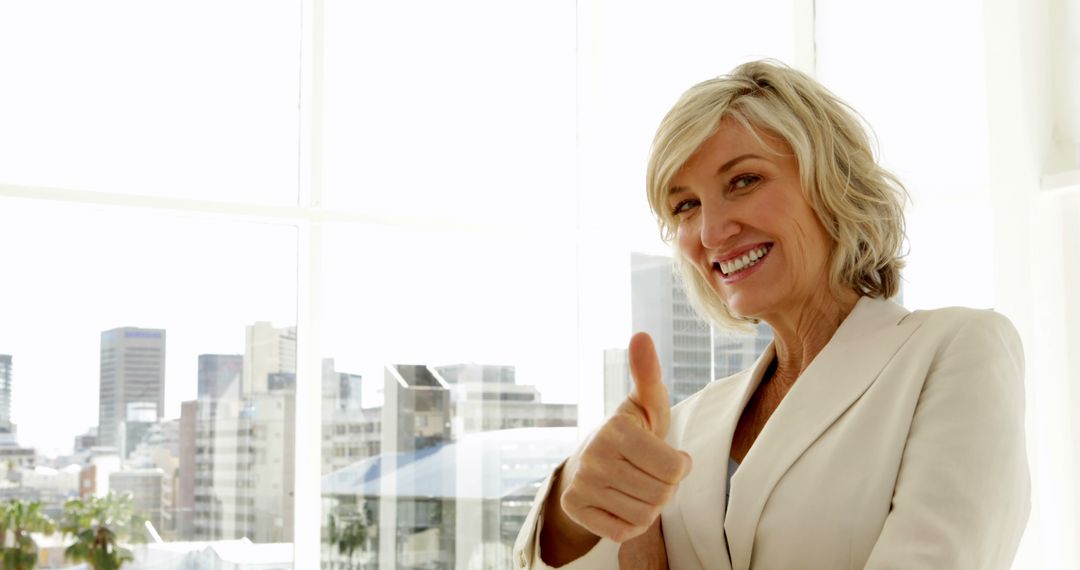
x=744, y=181
x=683, y=206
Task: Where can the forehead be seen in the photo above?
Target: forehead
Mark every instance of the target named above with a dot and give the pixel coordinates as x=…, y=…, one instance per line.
x=733, y=139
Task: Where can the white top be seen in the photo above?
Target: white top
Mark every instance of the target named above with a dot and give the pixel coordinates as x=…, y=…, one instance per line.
x=732, y=466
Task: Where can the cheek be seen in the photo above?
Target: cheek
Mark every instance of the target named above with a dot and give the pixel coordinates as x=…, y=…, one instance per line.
x=811, y=246
x=687, y=239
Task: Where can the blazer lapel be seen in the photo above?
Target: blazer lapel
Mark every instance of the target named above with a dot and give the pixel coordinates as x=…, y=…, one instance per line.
x=835, y=379
x=706, y=436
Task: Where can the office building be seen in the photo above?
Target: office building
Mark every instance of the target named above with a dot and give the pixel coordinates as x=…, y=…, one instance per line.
x=222, y=473
x=267, y=351
x=487, y=398
x=185, y=482
x=220, y=375
x=132, y=371
x=160, y=448
x=5, y=393
x=240, y=470
x=341, y=391
x=95, y=475
x=86, y=441
x=349, y=432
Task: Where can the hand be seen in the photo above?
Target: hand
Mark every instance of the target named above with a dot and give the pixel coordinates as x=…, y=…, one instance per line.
x=617, y=483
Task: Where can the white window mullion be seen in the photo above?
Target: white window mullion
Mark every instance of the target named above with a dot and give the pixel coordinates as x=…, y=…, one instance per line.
x=308, y=426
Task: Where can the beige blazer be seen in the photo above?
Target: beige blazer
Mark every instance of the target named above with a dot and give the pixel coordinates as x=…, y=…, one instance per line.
x=900, y=446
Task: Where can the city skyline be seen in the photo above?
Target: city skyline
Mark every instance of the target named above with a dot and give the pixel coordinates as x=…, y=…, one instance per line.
x=59, y=443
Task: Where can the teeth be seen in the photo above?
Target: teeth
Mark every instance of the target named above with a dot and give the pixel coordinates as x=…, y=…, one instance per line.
x=738, y=264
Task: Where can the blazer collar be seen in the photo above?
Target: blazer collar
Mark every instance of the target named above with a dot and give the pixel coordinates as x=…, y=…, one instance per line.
x=706, y=436
x=844, y=369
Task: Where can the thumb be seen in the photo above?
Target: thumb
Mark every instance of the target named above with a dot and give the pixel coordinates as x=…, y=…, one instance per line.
x=649, y=392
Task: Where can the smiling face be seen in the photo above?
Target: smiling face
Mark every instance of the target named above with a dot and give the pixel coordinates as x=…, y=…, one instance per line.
x=745, y=225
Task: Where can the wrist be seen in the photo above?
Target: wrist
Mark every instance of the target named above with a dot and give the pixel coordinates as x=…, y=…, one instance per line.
x=561, y=539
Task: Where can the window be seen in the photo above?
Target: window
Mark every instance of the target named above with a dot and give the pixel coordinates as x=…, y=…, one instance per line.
x=431, y=215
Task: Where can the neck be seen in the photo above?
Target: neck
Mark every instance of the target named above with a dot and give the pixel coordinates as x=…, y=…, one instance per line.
x=800, y=336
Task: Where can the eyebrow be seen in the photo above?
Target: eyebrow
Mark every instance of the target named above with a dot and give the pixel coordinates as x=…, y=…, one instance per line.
x=723, y=168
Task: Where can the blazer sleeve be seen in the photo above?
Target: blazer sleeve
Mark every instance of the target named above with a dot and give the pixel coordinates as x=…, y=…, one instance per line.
x=527, y=546
x=962, y=494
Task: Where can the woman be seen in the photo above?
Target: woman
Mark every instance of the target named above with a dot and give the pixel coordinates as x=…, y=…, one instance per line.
x=865, y=436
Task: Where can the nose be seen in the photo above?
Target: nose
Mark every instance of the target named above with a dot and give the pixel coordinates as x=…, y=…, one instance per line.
x=718, y=224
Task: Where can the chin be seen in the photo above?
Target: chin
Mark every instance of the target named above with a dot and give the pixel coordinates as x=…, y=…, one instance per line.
x=749, y=308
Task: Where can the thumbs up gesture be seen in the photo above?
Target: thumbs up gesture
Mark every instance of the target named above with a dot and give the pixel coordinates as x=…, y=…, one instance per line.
x=617, y=483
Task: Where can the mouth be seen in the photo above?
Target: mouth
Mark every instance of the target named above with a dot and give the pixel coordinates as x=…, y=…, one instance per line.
x=740, y=266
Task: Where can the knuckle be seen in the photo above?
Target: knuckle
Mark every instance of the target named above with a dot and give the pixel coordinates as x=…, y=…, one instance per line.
x=589, y=474
x=641, y=517
x=570, y=499
x=650, y=514
x=671, y=471
x=667, y=494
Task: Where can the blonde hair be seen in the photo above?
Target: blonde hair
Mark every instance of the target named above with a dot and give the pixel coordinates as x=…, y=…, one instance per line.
x=859, y=203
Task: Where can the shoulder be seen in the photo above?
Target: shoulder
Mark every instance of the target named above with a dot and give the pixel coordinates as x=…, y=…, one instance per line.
x=961, y=316
x=966, y=329
x=972, y=355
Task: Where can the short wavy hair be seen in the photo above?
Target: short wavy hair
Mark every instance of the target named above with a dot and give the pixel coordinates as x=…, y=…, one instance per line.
x=860, y=204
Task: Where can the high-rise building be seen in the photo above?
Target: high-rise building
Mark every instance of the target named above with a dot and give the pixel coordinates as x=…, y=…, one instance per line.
x=415, y=417
x=185, y=484
x=223, y=475
x=341, y=390
x=5, y=393
x=485, y=397
x=267, y=351
x=220, y=374
x=132, y=370
x=692, y=353
x=349, y=432
x=273, y=460
x=139, y=418
x=86, y=441
x=159, y=448
x=244, y=457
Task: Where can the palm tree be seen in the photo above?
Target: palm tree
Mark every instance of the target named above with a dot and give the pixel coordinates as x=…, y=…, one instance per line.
x=22, y=519
x=4, y=508
x=347, y=535
x=98, y=524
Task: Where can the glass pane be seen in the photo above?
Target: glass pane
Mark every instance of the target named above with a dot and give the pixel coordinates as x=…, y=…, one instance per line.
x=645, y=55
x=946, y=176
x=189, y=99
x=154, y=355
x=449, y=386
x=467, y=112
